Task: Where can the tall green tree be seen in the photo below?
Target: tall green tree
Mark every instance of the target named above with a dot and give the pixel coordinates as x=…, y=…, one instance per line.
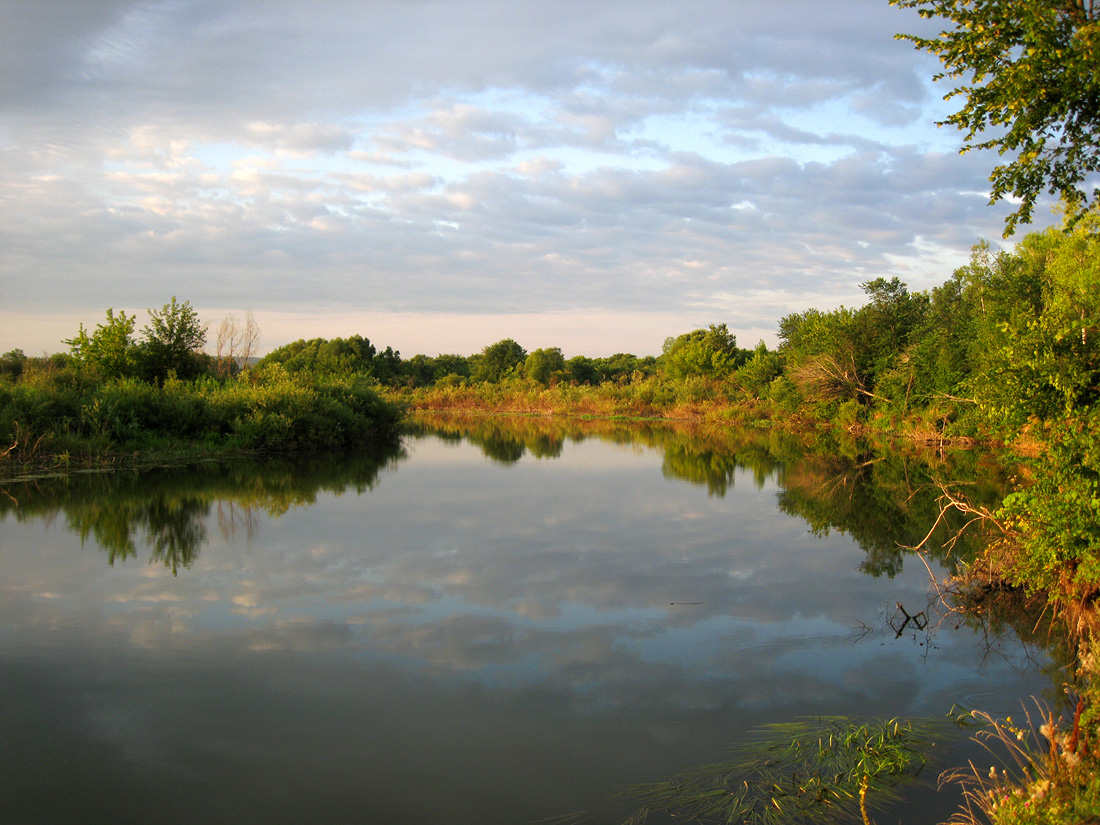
x=109, y=350
x=710, y=352
x=757, y=374
x=498, y=360
x=1028, y=72
x=12, y=364
x=1042, y=355
x=542, y=364
x=172, y=341
x=822, y=356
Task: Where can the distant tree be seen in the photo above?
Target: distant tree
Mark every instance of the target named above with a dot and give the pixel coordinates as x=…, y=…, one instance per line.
x=845, y=354
x=710, y=352
x=757, y=374
x=418, y=371
x=236, y=343
x=1030, y=77
x=317, y=356
x=12, y=364
x=446, y=364
x=387, y=366
x=498, y=360
x=172, y=341
x=582, y=369
x=542, y=364
x=883, y=329
x=109, y=351
x=823, y=360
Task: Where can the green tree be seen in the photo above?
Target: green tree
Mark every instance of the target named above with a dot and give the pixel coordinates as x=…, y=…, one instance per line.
x=1030, y=73
x=845, y=355
x=172, y=341
x=320, y=356
x=757, y=374
x=1041, y=357
x=449, y=364
x=12, y=364
x=823, y=360
x=542, y=364
x=110, y=350
x=884, y=329
x=711, y=353
x=498, y=360
x=622, y=367
x=582, y=369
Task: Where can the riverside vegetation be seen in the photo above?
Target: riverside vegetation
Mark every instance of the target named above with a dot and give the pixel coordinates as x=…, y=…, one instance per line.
x=1006, y=352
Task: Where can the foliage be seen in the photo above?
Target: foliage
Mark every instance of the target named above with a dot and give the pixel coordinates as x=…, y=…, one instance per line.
x=1029, y=76
x=759, y=371
x=12, y=364
x=544, y=364
x=1047, y=773
x=109, y=351
x=320, y=356
x=171, y=341
x=709, y=353
x=58, y=413
x=1055, y=519
x=1037, y=326
x=848, y=355
x=499, y=360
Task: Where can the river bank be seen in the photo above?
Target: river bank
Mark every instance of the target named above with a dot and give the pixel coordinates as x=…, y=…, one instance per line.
x=64, y=421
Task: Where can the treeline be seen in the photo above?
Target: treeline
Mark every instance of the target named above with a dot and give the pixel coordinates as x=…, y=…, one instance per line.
x=119, y=397
x=1004, y=348
x=502, y=360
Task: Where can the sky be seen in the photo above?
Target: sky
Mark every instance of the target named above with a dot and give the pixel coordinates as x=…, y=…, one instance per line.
x=436, y=175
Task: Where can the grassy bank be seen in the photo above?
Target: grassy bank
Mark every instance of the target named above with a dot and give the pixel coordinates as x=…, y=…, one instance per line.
x=65, y=418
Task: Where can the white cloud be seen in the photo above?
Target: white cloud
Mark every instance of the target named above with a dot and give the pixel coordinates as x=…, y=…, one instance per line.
x=471, y=158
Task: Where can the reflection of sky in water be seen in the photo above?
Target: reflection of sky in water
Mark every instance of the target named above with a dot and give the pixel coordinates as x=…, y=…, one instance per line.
x=502, y=573
x=591, y=581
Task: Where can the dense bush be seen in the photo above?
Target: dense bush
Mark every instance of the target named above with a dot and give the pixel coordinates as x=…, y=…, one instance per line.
x=53, y=412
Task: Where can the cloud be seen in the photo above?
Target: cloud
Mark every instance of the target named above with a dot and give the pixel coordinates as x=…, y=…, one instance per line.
x=472, y=157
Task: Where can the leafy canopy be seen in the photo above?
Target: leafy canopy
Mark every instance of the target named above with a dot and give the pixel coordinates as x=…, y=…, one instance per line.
x=172, y=339
x=109, y=349
x=498, y=360
x=1030, y=73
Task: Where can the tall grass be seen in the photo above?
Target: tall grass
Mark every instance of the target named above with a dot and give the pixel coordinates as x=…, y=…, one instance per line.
x=692, y=398
x=1047, y=773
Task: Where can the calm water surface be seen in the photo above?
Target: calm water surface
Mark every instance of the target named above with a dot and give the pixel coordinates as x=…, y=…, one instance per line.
x=485, y=627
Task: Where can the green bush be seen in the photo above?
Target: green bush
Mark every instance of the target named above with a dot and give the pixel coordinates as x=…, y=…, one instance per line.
x=66, y=411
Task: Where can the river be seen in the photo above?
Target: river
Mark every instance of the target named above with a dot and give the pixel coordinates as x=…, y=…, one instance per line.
x=494, y=623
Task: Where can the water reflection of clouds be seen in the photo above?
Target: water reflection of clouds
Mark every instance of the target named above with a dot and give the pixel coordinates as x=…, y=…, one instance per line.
x=591, y=573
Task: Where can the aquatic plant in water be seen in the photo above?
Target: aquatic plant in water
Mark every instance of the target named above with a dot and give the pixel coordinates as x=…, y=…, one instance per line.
x=814, y=770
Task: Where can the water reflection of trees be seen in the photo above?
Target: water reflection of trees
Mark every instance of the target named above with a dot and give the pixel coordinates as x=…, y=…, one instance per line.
x=888, y=501
x=168, y=509
x=885, y=499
